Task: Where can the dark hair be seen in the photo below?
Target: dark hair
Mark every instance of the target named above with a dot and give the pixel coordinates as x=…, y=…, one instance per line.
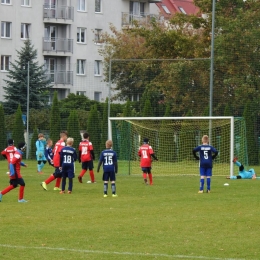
x=146, y=140
x=85, y=135
x=64, y=132
x=10, y=141
x=21, y=145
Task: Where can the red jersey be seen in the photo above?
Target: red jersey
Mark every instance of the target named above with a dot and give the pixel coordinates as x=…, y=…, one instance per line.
x=145, y=152
x=56, y=152
x=15, y=165
x=8, y=152
x=84, y=149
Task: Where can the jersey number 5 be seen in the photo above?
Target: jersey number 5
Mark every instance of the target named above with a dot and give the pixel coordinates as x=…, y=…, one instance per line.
x=206, y=156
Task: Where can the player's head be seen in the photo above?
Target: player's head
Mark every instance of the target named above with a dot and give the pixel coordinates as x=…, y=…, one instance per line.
x=40, y=136
x=49, y=142
x=146, y=140
x=109, y=144
x=85, y=135
x=64, y=135
x=10, y=142
x=70, y=141
x=205, y=139
x=22, y=146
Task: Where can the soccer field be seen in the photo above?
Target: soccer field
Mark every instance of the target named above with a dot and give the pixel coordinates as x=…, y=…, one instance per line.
x=168, y=220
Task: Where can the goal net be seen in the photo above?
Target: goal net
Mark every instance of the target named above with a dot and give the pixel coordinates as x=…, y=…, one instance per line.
x=173, y=139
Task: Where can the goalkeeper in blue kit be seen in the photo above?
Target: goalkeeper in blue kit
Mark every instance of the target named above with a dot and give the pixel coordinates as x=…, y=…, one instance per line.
x=243, y=174
x=207, y=154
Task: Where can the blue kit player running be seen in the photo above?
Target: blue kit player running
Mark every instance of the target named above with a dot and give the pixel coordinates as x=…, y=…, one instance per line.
x=108, y=158
x=243, y=174
x=68, y=156
x=207, y=154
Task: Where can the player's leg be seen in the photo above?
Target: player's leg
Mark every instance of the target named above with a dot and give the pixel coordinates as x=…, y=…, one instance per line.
x=13, y=185
x=63, y=183
x=48, y=180
x=150, y=175
x=58, y=175
x=84, y=168
x=91, y=171
x=21, y=190
x=208, y=174
x=144, y=170
x=105, y=179
x=71, y=175
x=39, y=166
x=70, y=185
x=113, y=183
x=202, y=178
x=43, y=163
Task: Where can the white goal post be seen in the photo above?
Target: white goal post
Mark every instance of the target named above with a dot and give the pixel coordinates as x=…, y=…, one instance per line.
x=205, y=120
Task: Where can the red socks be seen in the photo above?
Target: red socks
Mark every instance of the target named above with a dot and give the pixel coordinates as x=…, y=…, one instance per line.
x=91, y=174
x=150, y=178
x=83, y=171
x=58, y=181
x=21, y=192
x=7, y=189
x=50, y=179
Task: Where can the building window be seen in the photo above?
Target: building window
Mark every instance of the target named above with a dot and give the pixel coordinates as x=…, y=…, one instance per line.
x=5, y=62
x=5, y=30
x=182, y=10
x=81, y=93
x=81, y=35
x=25, y=31
x=82, y=5
x=97, y=96
x=166, y=9
x=7, y=2
x=25, y=2
x=137, y=8
x=81, y=64
x=98, y=35
x=97, y=68
x=98, y=6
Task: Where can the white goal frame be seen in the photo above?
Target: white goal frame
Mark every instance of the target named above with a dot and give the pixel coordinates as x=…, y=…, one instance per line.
x=209, y=118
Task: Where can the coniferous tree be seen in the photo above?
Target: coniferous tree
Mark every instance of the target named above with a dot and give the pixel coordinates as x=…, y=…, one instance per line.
x=18, y=129
x=33, y=144
x=94, y=129
x=55, y=125
x=2, y=131
x=147, y=111
x=73, y=128
x=16, y=84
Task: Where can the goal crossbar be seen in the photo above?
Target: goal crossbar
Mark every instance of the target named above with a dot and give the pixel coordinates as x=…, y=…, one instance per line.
x=209, y=118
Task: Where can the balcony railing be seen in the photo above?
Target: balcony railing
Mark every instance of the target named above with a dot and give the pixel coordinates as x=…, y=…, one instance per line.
x=143, y=18
x=61, y=12
x=58, y=44
x=60, y=77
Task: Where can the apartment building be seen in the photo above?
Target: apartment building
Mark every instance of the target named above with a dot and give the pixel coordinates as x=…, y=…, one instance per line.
x=66, y=35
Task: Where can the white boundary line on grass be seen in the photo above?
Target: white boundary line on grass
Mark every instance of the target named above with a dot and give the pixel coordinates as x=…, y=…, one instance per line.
x=118, y=253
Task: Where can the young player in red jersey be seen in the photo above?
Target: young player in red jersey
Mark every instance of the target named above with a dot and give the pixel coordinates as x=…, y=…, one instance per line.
x=146, y=153
x=15, y=173
x=9, y=151
x=56, y=162
x=86, y=157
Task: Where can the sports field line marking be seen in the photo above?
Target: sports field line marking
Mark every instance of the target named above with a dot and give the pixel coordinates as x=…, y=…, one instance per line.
x=118, y=253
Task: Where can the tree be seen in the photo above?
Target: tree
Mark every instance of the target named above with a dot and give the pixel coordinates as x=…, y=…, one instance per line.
x=148, y=110
x=73, y=128
x=18, y=129
x=33, y=143
x=55, y=124
x=2, y=131
x=16, y=84
x=104, y=125
x=94, y=129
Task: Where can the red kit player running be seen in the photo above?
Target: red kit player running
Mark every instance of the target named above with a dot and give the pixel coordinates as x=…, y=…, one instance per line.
x=86, y=157
x=146, y=153
x=9, y=151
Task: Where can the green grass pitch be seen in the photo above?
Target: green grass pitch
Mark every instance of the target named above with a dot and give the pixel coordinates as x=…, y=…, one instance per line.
x=168, y=220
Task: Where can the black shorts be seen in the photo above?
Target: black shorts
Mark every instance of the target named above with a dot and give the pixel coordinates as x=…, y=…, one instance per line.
x=57, y=173
x=87, y=165
x=16, y=182
x=109, y=176
x=146, y=169
x=68, y=171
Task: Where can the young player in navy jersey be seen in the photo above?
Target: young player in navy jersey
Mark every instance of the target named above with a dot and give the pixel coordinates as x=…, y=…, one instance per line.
x=49, y=152
x=68, y=156
x=207, y=154
x=108, y=158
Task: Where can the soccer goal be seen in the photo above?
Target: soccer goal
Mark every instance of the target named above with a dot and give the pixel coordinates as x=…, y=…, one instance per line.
x=173, y=139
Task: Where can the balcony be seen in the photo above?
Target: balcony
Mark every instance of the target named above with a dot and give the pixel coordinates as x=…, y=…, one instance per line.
x=59, y=14
x=60, y=77
x=129, y=19
x=57, y=46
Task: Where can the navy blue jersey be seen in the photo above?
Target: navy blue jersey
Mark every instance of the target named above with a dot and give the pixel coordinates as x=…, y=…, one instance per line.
x=205, y=155
x=49, y=154
x=109, y=159
x=68, y=156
